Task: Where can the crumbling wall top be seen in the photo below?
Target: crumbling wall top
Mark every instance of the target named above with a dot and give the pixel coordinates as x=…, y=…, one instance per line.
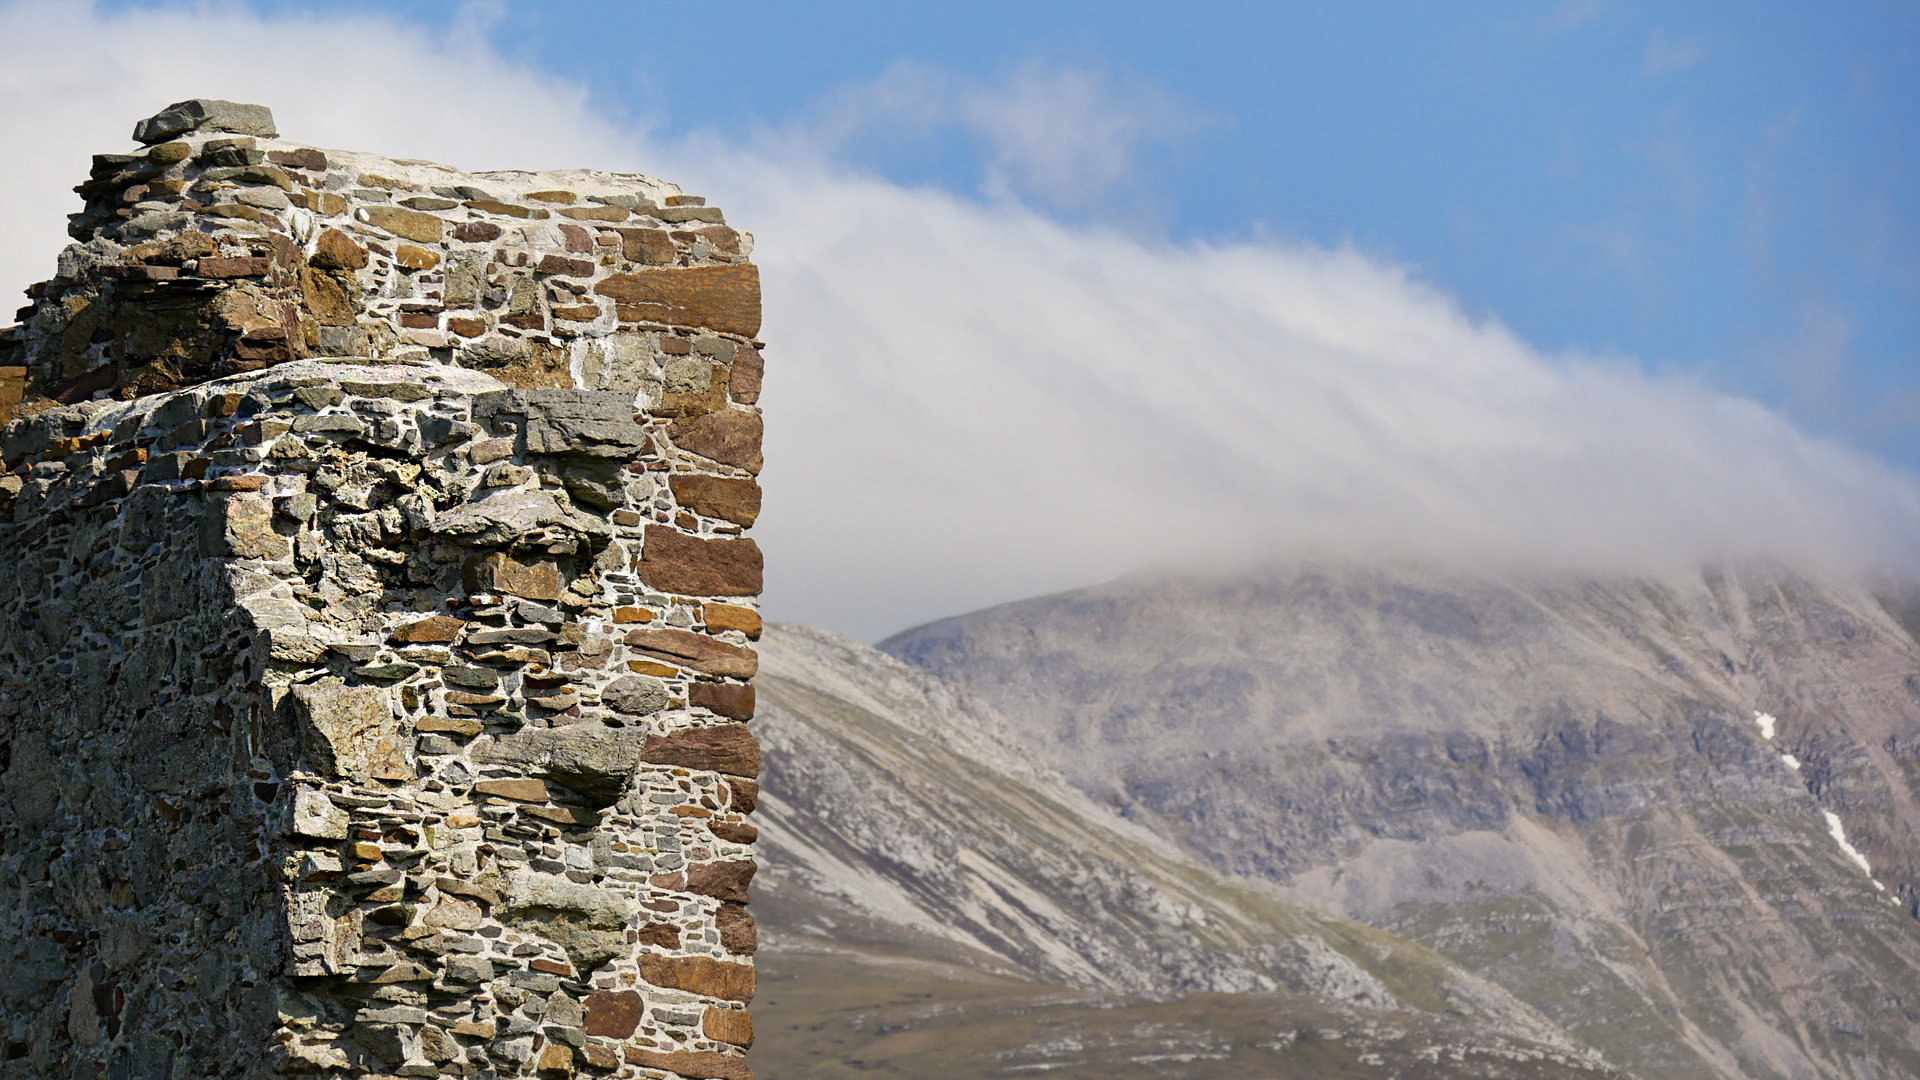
x=221, y=248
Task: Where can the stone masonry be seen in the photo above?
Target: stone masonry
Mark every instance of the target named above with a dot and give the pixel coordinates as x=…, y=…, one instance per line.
x=376, y=622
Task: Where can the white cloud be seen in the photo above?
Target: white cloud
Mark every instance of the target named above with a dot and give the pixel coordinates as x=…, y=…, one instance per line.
x=1062, y=136
x=1667, y=54
x=969, y=403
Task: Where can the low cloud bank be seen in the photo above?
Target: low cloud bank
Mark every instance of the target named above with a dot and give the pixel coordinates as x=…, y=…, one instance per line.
x=970, y=402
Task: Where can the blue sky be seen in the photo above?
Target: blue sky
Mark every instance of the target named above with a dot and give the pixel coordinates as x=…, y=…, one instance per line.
x=1726, y=189
x=1057, y=291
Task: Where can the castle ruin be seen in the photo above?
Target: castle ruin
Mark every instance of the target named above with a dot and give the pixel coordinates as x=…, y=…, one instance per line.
x=376, y=622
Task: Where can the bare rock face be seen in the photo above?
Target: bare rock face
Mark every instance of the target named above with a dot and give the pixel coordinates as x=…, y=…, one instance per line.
x=1620, y=800
x=322, y=748
x=908, y=842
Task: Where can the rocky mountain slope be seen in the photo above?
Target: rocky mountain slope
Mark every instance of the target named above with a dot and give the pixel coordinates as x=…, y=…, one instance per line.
x=1680, y=818
x=932, y=899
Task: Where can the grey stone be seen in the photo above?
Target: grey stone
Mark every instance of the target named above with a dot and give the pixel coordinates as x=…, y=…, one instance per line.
x=343, y=341
x=153, y=224
x=205, y=114
x=401, y=1014
x=330, y=423
x=347, y=730
x=539, y=613
x=596, y=761
x=478, y=678
x=266, y=198
x=639, y=694
x=391, y=1043
x=315, y=815
x=513, y=516
x=586, y=921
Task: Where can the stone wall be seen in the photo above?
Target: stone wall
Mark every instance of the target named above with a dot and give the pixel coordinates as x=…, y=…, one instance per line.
x=376, y=627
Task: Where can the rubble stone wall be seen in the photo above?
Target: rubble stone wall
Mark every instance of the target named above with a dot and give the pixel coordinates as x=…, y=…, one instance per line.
x=376, y=623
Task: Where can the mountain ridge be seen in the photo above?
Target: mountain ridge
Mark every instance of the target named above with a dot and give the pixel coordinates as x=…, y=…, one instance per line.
x=898, y=831
x=1515, y=770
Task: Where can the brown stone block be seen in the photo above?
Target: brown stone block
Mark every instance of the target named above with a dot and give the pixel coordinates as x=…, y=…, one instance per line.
x=476, y=232
x=466, y=326
x=699, y=975
x=723, y=748
x=518, y=790
x=415, y=258
x=407, y=224
x=731, y=617
x=254, y=482
x=660, y=935
x=722, y=238
x=564, y=198
x=696, y=651
x=738, y=932
x=649, y=667
x=693, y=1064
x=675, y=562
x=730, y=436
x=252, y=266
x=649, y=247
x=500, y=573
x=744, y=380
x=728, y=1026
x=477, y=1029
x=452, y=725
x=305, y=157
x=326, y=298
x=632, y=615
x=577, y=312
x=746, y=794
x=335, y=250
x=729, y=498
x=551, y=967
x=726, y=881
x=494, y=206
x=735, y=832
x=731, y=700
x=432, y=630
x=555, y=1057
x=564, y=267
x=461, y=697
x=723, y=298
x=613, y=1014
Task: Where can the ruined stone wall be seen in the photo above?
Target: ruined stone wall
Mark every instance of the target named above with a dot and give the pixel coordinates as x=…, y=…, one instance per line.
x=376, y=624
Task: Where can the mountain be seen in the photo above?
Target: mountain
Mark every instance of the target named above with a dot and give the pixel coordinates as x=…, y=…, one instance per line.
x=1679, y=817
x=934, y=904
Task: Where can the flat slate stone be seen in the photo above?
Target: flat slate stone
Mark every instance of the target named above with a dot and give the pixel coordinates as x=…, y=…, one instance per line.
x=205, y=114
